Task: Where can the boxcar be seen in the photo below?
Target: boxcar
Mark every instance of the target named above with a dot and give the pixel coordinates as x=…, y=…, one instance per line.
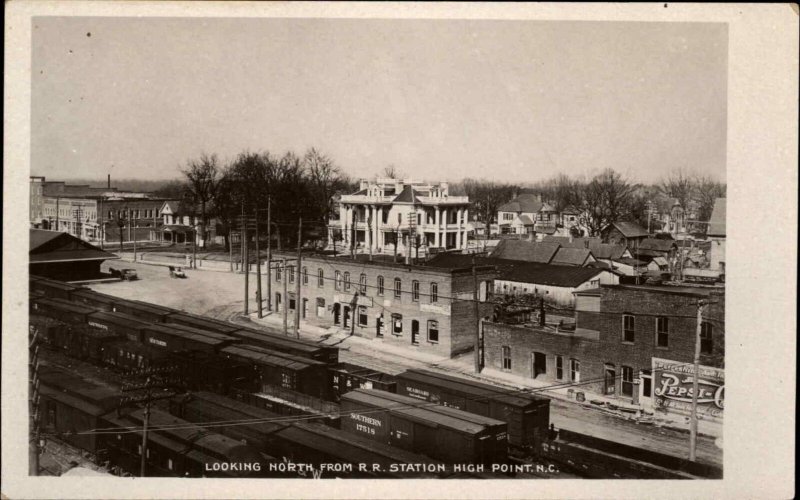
x=142, y=310
x=527, y=416
x=46, y=328
x=129, y=355
x=309, y=443
x=118, y=323
x=101, y=301
x=267, y=367
x=172, y=339
x=304, y=348
x=61, y=309
x=89, y=343
x=344, y=377
x=447, y=434
x=52, y=288
x=197, y=331
x=201, y=322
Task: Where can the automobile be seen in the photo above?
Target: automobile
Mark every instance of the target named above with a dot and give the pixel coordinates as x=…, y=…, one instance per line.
x=176, y=272
x=124, y=274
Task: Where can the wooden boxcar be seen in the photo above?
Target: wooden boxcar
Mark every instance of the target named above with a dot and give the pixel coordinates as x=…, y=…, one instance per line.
x=206, y=333
x=100, y=301
x=173, y=339
x=142, y=310
x=47, y=329
x=256, y=366
x=527, y=416
x=89, y=343
x=119, y=323
x=64, y=310
x=201, y=322
x=52, y=288
x=129, y=355
x=282, y=343
x=446, y=434
x=344, y=377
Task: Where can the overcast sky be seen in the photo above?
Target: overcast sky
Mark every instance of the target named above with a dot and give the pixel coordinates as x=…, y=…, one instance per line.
x=516, y=101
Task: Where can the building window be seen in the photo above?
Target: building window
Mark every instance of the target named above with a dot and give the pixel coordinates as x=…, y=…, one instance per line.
x=506, y=358
x=380, y=285
x=346, y=282
x=362, y=284
x=320, y=278
x=362, y=315
x=290, y=273
x=287, y=380
x=415, y=291
x=574, y=370
x=706, y=338
x=433, y=331
x=662, y=331
x=277, y=302
x=320, y=307
x=434, y=293
x=627, y=381
x=397, y=324
x=559, y=368
x=398, y=288
x=338, y=281
x=305, y=275
x=628, y=327
x=278, y=273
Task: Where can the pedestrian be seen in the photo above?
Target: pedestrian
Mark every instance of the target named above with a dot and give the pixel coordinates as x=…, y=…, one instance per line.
x=553, y=433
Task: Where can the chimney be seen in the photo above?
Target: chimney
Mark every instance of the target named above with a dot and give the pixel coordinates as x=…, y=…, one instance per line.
x=109, y=181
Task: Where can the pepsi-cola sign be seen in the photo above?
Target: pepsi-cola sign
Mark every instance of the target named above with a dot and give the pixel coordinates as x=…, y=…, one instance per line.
x=673, y=388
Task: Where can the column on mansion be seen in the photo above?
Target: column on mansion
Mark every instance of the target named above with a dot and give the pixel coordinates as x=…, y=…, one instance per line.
x=466, y=226
x=378, y=221
x=458, y=229
x=444, y=228
x=436, y=242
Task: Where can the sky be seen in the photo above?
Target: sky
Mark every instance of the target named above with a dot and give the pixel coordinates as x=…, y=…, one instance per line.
x=514, y=101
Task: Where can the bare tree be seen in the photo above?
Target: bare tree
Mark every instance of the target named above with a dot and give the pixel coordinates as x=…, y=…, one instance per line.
x=679, y=185
x=486, y=197
x=202, y=176
x=392, y=172
x=707, y=190
x=606, y=199
x=325, y=181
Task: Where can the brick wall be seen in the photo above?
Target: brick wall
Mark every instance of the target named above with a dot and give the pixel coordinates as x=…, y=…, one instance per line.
x=455, y=318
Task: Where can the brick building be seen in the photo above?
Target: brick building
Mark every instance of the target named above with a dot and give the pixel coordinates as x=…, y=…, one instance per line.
x=417, y=307
x=619, y=330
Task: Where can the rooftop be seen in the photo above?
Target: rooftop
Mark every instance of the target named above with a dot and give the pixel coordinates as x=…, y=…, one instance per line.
x=716, y=224
x=526, y=203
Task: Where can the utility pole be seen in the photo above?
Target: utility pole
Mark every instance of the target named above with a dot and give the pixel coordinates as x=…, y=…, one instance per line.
x=701, y=304
x=285, y=304
x=477, y=317
x=258, y=270
x=230, y=244
x=130, y=221
x=269, y=253
x=194, y=246
x=134, y=238
x=245, y=264
x=299, y=275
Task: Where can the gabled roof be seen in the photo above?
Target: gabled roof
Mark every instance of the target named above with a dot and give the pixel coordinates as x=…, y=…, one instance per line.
x=524, y=219
x=524, y=203
x=527, y=251
x=716, y=226
x=407, y=195
x=630, y=261
x=599, y=250
x=546, y=207
x=55, y=246
x=571, y=256
x=628, y=229
x=570, y=211
x=657, y=245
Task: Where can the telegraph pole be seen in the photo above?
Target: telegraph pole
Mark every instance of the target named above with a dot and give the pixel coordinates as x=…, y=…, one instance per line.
x=194, y=246
x=477, y=317
x=269, y=253
x=299, y=276
x=134, y=240
x=701, y=304
x=245, y=264
x=258, y=270
x=285, y=304
x=230, y=244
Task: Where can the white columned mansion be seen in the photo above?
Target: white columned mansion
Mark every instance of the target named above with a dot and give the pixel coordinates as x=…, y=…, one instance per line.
x=424, y=216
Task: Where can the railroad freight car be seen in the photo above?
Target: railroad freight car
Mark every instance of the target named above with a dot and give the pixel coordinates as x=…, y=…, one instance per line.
x=129, y=355
x=52, y=288
x=90, y=343
x=341, y=454
x=174, y=340
x=446, y=434
x=279, y=342
x=119, y=323
x=257, y=366
x=197, y=331
x=528, y=416
x=344, y=377
x=100, y=301
x=64, y=310
x=142, y=310
x=46, y=329
x=201, y=322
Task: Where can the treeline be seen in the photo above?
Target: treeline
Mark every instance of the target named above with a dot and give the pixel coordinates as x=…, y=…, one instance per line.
x=605, y=198
x=290, y=185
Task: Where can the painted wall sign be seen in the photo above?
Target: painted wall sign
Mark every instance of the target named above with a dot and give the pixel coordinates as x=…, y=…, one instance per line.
x=673, y=388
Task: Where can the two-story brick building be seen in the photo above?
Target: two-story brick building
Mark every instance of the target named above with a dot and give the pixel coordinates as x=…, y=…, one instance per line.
x=418, y=307
x=619, y=330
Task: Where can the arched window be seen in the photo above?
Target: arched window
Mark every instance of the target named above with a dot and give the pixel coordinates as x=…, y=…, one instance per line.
x=434, y=293
x=305, y=275
x=320, y=278
x=380, y=285
x=362, y=281
x=398, y=288
x=346, y=282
